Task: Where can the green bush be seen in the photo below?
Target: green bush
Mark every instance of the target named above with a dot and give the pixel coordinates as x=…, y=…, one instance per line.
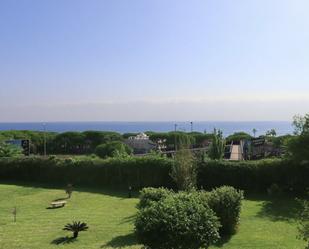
x=150, y=195
x=178, y=221
x=274, y=190
x=113, y=149
x=9, y=150
x=226, y=203
x=298, y=148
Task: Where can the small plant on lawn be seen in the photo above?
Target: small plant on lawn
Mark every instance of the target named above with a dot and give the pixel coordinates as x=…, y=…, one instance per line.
x=69, y=190
x=274, y=190
x=75, y=227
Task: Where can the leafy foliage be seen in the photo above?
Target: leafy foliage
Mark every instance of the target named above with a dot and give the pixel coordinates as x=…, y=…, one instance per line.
x=178, y=221
x=301, y=124
x=150, y=195
x=216, y=150
x=271, y=133
x=237, y=136
x=254, y=176
x=8, y=150
x=226, y=203
x=75, y=227
x=298, y=146
x=138, y=172
x=184, y=169
x=112, y=149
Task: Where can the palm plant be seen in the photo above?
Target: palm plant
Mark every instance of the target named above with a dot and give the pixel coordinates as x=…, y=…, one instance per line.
x=254, y=132
x=76, y=227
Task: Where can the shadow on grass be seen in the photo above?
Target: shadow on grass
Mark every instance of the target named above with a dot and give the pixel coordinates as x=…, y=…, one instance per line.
x=281, y=208
x=129, y=219
x=121, y=241
x=120, y=192
x=63, y=240
x=61, y=199
x=57, y=207
x=224, y=239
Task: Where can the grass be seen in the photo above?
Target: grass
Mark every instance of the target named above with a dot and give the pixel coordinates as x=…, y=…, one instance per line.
x=265, y=223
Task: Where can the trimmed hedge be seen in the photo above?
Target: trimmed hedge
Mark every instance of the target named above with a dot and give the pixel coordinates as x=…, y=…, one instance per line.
x=254, y=176
x=141, y=172
x=154, y=171
x=177, y=221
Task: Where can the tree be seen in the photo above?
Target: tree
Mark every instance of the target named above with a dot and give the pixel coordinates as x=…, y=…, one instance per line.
x=76, y=227
x=216, y=149
x=301, y=124
x=237, y=136
x=112, y=149
x=254, y=132
x=271, y=133
x=9, y=150
x=298, y=146
x=183, y=169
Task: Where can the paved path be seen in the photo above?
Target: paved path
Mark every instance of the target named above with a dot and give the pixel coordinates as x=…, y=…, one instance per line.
x=236, y=153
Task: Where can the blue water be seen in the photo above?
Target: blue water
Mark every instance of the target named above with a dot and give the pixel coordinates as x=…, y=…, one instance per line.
x=282, y=127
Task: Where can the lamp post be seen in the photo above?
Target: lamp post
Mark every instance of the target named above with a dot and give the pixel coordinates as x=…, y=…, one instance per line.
x=191, y=126
x=44, y=126
x=175, y=136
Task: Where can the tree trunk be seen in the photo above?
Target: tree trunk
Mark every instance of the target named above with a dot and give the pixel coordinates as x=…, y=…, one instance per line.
x=75, y=234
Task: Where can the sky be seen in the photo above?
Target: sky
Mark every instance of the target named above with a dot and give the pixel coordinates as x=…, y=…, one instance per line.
x=153, y=60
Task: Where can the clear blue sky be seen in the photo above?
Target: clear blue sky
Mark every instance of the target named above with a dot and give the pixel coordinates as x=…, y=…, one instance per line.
x=153, y=60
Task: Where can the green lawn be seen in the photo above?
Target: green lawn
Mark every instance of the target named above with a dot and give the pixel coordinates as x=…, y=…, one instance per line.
x=266, y=224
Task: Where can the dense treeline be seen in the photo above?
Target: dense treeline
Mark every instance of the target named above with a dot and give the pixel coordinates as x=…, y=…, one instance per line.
x=36, y=137
x=155, y=171
x=77, y=143
x=80, y=143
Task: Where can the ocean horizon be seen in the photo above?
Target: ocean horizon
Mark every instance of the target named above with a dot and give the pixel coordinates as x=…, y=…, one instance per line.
x=227, y=127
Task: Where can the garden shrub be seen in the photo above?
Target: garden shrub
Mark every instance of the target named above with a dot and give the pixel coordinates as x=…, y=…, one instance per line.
x=226, y=203
x=112, y=149
x=178, y=221
x=274, y=190
x=150, y=195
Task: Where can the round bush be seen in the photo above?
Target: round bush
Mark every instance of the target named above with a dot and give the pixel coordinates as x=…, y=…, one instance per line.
x=112, y=149
x=150, y=195
x=226, y=203
x=178, y=221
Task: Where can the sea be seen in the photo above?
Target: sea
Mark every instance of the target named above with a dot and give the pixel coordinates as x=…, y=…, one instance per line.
x=227, y=127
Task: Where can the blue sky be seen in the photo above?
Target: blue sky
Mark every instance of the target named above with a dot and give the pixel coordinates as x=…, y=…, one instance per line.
x=87, y=60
